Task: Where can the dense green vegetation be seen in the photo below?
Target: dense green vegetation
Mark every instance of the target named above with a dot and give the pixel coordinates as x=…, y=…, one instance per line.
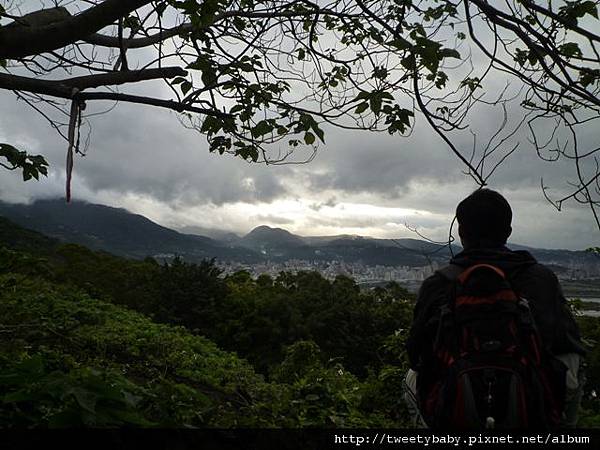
x=87, y=338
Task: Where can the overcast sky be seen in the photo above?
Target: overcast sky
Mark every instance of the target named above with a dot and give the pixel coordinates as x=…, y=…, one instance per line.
x=144, y=160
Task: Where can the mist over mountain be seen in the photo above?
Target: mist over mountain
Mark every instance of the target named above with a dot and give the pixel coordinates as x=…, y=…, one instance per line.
x=213, y=233
x=120, y=232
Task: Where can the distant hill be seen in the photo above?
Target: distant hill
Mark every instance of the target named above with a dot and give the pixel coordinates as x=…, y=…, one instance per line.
x=15, y=237
x=264, y=236
x=375, y=252
x=116, y=230
x=120, y=232
x=277, y=244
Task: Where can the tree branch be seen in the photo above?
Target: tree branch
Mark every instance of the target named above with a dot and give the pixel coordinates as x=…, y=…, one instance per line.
x=112, y=41
x=34, y=85
x=21, y=41
x=131, y=76
x=562, y=20
x=473, y=172
x=169, y=104
x=63, y=88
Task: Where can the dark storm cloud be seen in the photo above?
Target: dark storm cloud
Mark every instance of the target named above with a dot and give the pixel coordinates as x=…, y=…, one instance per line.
x=389, y=165
x=369, y=162
x=145, y=151
x=159, y=157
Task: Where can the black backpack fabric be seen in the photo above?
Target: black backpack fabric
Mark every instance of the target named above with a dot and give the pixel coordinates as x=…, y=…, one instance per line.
x=488, y=368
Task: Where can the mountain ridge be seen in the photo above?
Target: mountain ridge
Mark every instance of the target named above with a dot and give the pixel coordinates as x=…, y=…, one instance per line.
x=116, y=230
x=121, y=232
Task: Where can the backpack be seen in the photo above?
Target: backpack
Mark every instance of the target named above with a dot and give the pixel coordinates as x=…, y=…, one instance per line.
x=488, y=368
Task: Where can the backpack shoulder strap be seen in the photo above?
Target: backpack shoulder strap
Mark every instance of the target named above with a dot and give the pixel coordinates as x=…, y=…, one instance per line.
x=445, y=333
x=453, y=272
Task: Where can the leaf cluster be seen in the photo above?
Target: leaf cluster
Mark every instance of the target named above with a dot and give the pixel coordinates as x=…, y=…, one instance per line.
x=31, y=165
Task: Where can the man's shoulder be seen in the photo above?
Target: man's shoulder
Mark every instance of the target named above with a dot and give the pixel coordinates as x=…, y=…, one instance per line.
x=517, y=265
x=537, y=270
x=518, y=262
x=541, y=268
x=442, y=276
x=537, y=282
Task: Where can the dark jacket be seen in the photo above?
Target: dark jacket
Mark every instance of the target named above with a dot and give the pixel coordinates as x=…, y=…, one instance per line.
x=533, y=281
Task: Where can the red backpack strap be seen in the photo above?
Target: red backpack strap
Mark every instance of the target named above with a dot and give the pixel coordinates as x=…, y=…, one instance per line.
x=454, y=272
x=466, y=273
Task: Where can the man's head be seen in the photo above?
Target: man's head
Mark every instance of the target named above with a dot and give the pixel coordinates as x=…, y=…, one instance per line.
x=484, y=219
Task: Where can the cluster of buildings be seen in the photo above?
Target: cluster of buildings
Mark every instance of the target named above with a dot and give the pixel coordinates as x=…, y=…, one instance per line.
x=577, y=272
x=363, y=274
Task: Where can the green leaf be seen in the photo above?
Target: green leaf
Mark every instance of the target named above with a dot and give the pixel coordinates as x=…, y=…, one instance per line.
x=219, y=144
x=570, y=49
x=185, y=87
x=400, y=43
x=301, y=54
x=236, y=109
x=319, y=133
x=471, y=83
x=449, y=53
x=132, y=22
x=263, y=127
x=211, y=125
x=574, y=10
x=589, y=76
x=408, y=62
x=362, y=95
x=248, y=152
x=441, y=79
x=18, y=396
x=85, y=399
x=380, y=72
x=31, y=166
x=239, y=23
x=362, y=107
x=309, y=138
x=375, y=104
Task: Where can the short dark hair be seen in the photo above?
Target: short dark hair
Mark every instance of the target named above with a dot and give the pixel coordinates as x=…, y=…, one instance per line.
x=485, y=215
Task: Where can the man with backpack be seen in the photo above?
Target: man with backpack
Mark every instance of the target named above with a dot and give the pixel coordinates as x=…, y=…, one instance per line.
x=493, y=343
